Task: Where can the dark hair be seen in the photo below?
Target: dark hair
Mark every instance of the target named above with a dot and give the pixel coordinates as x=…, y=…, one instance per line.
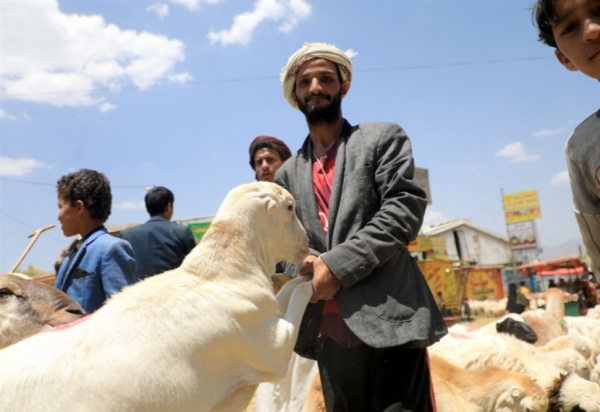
x=157, y=200
x=543, y=13
x=89, y=186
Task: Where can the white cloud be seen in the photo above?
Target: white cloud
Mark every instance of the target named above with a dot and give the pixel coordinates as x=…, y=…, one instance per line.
x=288, y=12
x=516, y=153
x=64, y=57
x=546, y=132
x=193, y=5
x=106, y=106
x=161, y=9
x=432, y=217
x=4, y=115
x=128, y=205
x=18, y=167
x=180, y=78
x=560, y=178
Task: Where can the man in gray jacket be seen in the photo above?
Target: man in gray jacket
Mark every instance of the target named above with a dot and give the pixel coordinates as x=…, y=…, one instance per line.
x=372, y=314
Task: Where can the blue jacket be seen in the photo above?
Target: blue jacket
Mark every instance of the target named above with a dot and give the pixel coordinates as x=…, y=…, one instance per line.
x=101, y=267
x=159, y=245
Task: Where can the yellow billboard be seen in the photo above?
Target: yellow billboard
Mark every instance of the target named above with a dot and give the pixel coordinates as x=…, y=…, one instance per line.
x=432, y=247
x=522, y=206
x=440, y=277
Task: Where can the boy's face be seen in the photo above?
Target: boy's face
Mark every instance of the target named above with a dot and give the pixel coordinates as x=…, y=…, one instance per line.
x=266, y=162
x=69, y=216
x=577, y=34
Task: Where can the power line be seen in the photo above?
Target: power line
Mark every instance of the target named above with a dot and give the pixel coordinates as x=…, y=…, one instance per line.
x=29, y=226
x=248, y=79
x=54, y=184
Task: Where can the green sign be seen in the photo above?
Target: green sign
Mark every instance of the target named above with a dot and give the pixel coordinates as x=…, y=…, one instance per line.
x=198, y=229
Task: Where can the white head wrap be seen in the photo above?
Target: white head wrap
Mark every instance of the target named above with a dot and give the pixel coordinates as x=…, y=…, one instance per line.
x=314, y=51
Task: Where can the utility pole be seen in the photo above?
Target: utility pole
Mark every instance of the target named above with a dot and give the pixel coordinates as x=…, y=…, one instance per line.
x=512, y=252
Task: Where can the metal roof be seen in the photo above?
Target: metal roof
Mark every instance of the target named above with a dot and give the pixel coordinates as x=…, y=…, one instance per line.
x=443, y=227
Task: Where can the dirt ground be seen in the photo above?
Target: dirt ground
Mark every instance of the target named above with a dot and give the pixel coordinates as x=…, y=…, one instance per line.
x=475, y=323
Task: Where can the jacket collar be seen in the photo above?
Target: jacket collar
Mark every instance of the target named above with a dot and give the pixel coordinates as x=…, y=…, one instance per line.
x=79, y=251
x=157, y=219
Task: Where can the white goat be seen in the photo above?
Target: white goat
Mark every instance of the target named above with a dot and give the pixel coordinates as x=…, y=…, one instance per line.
x=197, y=338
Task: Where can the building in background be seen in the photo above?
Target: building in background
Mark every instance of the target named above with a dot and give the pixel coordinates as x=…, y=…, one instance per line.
x=468, y=242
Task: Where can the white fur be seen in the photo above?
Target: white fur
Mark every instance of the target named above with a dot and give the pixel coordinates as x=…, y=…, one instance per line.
x=197, y=338
x=487, y=390
x=544, y=368
x=577, y=392
x=501, y=351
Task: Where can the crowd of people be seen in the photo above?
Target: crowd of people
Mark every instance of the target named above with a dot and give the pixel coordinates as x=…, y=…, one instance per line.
x=585, y=287
x=372, y=315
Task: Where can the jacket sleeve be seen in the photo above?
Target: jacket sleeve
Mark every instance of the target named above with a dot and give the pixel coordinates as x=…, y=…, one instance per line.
x=395, y=224
x=118, y=268
x=189, y=240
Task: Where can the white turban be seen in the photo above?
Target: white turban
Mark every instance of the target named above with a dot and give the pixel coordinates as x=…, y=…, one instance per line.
x=314, y=51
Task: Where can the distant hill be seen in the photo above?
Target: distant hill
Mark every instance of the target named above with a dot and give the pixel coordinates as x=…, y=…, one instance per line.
x=573, y=247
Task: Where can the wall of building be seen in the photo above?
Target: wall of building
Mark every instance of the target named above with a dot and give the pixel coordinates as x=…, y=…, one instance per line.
x=478, y=246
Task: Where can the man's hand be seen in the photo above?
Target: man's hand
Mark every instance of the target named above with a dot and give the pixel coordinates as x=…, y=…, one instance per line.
x=324, y=283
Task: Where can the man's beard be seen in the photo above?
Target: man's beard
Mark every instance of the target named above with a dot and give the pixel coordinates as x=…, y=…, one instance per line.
x=322, y=114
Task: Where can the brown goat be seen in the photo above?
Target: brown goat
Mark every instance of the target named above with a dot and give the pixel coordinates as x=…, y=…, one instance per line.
x=28, y=307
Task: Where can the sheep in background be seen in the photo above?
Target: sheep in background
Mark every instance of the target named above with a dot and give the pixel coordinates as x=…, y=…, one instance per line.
x=456, y=389
x=28, y=307
x=510, y=324
x=571, y=394
x=196, y=338
x=545, y=325
x=507, y=352
x=574, y=340
x=487, y=390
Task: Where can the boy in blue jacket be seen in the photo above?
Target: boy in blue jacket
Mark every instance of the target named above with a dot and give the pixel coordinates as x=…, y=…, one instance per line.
x=99, y=265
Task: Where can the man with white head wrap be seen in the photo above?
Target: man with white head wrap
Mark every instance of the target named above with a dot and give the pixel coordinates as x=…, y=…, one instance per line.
x=372, y=314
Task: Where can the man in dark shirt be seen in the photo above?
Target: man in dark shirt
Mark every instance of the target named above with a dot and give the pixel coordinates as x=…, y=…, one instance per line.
x=159, y=244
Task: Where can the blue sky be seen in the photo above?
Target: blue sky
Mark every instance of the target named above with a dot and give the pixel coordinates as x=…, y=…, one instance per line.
x=171, y=93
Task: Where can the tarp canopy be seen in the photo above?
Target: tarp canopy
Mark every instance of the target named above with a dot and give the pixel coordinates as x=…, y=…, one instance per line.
x=570, y=265
x=564, y=272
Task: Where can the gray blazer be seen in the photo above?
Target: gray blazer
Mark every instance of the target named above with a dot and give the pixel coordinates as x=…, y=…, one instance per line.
x=376, y=209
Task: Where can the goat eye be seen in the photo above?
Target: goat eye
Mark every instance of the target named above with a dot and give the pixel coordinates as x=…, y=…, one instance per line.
x=4, y=292
x=75, y=311
x=291, y=208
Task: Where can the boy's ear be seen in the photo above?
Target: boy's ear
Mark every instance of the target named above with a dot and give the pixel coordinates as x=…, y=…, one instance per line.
x=564, y=61
x=80, y=206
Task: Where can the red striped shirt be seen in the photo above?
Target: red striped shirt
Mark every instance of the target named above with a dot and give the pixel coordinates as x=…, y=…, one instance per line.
x=331, y=323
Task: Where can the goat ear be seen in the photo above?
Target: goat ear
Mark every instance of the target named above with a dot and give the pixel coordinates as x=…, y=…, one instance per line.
x=270, y=205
